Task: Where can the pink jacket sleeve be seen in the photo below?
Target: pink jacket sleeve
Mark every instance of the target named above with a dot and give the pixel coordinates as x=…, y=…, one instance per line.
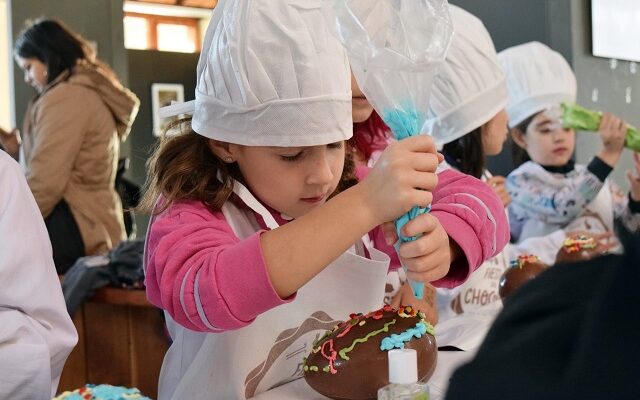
x=471, y=214
x=474, y=217
x=206, y=278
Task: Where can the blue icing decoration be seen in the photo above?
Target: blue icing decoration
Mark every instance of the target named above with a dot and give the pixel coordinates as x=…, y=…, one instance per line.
x=405, y=122
x=104, y=392
x=397, y=341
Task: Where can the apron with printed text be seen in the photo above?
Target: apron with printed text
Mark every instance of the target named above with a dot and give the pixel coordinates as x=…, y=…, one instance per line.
x=477, y=299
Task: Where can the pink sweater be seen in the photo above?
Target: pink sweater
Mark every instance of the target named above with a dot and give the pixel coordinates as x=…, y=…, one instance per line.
x=193, y=257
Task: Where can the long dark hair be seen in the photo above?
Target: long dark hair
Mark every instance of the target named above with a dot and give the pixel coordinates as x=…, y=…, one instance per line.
x=55, y=45
x=518, y=154
x=467, y=153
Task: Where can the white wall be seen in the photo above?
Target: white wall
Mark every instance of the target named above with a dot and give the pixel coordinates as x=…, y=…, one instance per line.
x=7, y=119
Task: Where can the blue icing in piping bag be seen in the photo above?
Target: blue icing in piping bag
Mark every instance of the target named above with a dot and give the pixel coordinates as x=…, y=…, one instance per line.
x=405, y=123
x=394, y=48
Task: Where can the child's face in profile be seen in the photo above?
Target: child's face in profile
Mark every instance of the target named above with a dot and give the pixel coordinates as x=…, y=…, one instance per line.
x=494, y=134
x=291, y=180
x=547, y=142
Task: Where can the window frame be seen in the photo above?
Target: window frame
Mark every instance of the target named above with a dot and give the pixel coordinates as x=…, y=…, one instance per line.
x=152, y=23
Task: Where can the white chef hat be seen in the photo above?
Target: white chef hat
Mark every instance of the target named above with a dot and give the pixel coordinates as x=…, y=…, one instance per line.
x=271, y=74
x=470, y=87
x=538, y=78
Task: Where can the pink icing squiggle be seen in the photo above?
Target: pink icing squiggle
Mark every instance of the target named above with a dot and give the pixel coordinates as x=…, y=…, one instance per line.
x=332, y=357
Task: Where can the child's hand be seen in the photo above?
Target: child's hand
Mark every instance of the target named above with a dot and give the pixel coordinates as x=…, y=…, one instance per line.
x=634, y=178
x=612, y=131
x=427, y=304
x=10, y=141
x=497, y=183
x=402, y=178
x=427, y=258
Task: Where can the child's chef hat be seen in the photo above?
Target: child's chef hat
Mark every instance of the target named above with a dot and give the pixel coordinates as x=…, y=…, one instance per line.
x=470, y=87
x=271, y=74
x=538, y=78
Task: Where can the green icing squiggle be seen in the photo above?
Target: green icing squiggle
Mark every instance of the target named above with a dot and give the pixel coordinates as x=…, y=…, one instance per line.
x=343, y=352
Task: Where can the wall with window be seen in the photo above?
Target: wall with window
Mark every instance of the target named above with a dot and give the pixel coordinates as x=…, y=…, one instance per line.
x=157, y=32
x=163, y=27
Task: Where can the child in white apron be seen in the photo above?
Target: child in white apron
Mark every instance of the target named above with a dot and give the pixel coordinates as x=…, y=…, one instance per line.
x=550, y=191
x=467, y=119
x=372, y=136
x=251, y=248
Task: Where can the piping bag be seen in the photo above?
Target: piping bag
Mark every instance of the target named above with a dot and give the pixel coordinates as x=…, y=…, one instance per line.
x=582, y=119
x=394, y=48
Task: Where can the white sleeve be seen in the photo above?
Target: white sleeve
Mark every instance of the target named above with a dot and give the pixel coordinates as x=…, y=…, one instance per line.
x=545, y=247
x=622, y=209
x=36, y=332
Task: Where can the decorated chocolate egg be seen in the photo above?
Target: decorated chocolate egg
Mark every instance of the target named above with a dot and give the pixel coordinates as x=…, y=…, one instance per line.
x=350, y=361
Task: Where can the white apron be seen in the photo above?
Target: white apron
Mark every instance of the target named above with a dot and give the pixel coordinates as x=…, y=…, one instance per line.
x=466, y=312
x=269, y=352
x=478, y=296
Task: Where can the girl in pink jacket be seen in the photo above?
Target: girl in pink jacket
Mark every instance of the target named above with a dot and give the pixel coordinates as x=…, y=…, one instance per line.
x=255, y=247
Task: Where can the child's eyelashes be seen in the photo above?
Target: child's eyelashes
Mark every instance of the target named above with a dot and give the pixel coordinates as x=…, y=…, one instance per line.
x=293, y=157
x=301, y=153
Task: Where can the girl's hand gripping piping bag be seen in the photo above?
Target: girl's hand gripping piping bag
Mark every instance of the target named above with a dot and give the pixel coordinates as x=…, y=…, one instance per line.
x=394, y=48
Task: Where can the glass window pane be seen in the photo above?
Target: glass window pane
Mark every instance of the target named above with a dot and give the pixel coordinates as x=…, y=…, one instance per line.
x=135, y=33
x=176, y=37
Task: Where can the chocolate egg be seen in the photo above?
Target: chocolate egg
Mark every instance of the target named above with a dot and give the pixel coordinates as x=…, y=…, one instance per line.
x=350, y=361
x=521, y=270
x=578, y=248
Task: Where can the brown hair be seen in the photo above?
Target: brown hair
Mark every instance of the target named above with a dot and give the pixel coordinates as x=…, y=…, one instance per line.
x=183, y=167
x=519, y=155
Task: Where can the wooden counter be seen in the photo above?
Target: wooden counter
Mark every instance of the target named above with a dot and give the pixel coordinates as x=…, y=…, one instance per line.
x=121, y=342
